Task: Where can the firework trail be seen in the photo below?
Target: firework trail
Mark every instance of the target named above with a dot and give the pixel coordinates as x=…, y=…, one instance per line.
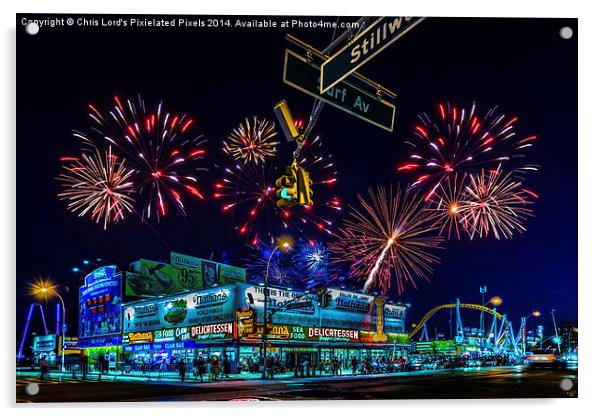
x=388, y=235
x=247, y=190
x=156, y=144
x=460, y=141
x=252, y=142
x=97, y=184
x=496, y=203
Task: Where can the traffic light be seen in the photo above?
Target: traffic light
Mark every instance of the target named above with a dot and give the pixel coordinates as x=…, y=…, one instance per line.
x=304, y=187
x=286, y=187
x=324, y=297
x=285, y=119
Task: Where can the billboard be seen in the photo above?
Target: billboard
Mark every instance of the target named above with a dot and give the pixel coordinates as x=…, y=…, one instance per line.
x=346, y=309
x=100, y=303
x=230, y=274
x=205, y=270
x=211, y=306
x=210, y=277
x=252, y=297
x=395, y=318
x=44, y=343
x=157, y=279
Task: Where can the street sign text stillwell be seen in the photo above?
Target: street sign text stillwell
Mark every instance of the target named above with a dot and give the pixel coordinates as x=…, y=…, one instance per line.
x=365, y=46
x=305, y=76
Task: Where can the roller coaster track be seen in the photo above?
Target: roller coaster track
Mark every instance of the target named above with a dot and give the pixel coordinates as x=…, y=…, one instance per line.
x=436, y=309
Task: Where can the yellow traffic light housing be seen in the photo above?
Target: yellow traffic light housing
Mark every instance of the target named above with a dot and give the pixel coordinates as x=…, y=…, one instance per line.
x=286, y=187
x=304, y=186
x=294, y=187
x=285, y=119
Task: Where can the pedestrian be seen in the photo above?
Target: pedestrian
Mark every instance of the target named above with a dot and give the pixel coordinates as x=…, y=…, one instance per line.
x=182, y=369
x=353, y=365
x=214, y=368
x=84, y=366
x=43, y=368
x=100, y=365
x=195, y=367
x=270, y=367
x=227, y=367
x=202, y=365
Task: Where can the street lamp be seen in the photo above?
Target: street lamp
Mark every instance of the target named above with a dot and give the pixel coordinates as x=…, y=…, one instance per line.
x=43, y=289
x=524, y=328
x=495, y=301
x=283, y=243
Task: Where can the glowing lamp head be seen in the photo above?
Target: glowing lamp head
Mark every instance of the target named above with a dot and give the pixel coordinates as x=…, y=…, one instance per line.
x=536, y=313
x=496, y=301
x=42, y=288
x=285, y=243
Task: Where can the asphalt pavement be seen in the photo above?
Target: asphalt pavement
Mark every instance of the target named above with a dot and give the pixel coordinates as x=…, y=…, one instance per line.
x=474, y=383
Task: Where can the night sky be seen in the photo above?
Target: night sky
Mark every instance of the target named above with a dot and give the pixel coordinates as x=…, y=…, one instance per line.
x=222, y=76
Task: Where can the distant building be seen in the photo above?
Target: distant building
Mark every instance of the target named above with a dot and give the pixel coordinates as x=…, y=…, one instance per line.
x=569, y=336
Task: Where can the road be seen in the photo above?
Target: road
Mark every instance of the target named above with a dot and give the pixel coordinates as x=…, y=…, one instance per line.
x=499, y=382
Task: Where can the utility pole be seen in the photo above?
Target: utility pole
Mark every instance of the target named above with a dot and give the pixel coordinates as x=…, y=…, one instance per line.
x=556, y=330
x=482, y=290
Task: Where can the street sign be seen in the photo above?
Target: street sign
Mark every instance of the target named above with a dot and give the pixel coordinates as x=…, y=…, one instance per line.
x=305, y=76
x=365, y=46
x=299, y=305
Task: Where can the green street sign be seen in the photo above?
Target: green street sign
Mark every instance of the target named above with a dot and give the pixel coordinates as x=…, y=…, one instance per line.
x=365, y=46
x=305, y=76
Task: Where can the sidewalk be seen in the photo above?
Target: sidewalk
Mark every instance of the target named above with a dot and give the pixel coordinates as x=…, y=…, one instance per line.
x=173, y=377
x=156, y=376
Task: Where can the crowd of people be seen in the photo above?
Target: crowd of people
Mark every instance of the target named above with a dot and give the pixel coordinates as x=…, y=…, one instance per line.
x=219, y=366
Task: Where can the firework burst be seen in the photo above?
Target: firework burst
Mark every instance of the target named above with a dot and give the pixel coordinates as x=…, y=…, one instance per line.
x=317, y=270
x=247, y=191
x=456, y=140
x=252, y=142
x=496, y=203
x=98, y=185
x=450, y=205
x=388, y=235
x=157, y=145
x=284, y=267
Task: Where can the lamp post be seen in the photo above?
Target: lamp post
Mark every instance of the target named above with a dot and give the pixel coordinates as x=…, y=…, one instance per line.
x=524, y=328
x=482, y=290
x=282, y=244
x=43, y=289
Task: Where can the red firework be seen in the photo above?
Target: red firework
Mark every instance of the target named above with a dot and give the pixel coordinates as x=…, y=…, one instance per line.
x=462, y=141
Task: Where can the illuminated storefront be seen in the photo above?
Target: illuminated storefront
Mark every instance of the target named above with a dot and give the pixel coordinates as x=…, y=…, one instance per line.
x=228, y=322
x=100, y=319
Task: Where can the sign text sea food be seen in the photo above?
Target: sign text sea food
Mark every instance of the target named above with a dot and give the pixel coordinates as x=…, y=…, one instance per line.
x=365, y=46
x=206, y=307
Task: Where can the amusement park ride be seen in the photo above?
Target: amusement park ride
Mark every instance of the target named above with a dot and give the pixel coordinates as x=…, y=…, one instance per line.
x=498, y=338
